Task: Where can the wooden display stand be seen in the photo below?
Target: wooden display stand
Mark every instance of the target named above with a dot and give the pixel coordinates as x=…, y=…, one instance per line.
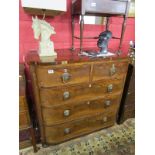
x=107, y=8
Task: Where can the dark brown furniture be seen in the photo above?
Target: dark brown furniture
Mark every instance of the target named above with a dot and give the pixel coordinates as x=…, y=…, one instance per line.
x=127, y=106
x=26, y=131
x=76, y=95
x=107, y=8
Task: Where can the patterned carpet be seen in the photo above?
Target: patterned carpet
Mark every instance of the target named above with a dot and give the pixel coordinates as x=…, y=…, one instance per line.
x=117, y=140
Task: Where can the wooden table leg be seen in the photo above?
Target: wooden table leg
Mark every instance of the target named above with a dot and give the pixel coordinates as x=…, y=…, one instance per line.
x=73, y=27
x=122, y=35
x=107, y=23
x=33, y=140
x=81, y=31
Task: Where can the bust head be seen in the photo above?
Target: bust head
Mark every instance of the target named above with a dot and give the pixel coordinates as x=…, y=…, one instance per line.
x=104, y=38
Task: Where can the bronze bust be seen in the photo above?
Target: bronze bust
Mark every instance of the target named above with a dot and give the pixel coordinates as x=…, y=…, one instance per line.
x=103, y=40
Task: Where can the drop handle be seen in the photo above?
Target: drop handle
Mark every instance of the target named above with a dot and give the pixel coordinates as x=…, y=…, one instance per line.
x=65, y=76
x=67, y=130
x=110, y=88
x=105, y=119
x=66, y=95
x=107, y=103
x=112, y=70
x=66, y=113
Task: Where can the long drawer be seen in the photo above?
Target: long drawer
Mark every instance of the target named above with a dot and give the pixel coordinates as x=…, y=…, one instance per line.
x=59, y=133
x=76, y=110
x=61, y=95
x=50, y=75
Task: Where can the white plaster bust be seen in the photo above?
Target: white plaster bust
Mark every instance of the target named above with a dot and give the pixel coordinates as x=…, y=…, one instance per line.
x=45, y=30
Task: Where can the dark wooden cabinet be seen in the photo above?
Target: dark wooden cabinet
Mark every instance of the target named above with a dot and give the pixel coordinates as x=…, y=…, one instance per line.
x=26, y=131
x=127, y=106
x=105, y=8
x=78, y=97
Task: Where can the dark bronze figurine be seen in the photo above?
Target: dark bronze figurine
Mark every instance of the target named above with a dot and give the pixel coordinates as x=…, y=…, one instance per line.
x=103, y=40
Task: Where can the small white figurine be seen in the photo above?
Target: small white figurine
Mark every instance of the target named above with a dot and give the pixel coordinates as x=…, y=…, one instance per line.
x=45, y=30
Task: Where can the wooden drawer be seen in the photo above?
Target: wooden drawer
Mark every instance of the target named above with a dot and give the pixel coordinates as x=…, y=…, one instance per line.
x=105, y=6
x=72, y=111
x=24, y=120
x=60, y=95
x=59, y=133
x=49, y=76
x=22, y=103
x=109, y=70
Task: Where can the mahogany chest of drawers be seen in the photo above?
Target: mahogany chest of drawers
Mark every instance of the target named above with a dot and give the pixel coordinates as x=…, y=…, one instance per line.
x=76, y=96
x=26, y=133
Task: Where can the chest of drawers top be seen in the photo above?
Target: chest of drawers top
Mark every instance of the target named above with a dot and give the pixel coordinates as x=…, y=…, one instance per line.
x=69, y=68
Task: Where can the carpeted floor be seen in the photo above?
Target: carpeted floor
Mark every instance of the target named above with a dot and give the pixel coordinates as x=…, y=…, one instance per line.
x=117, y=140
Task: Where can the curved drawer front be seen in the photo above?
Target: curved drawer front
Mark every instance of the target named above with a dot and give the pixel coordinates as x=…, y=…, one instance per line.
x=72, y=111
x=81, y=92
x=59, y=133
x=107, y=87
x=62, y=95
x=49, y=76
x=109, y=70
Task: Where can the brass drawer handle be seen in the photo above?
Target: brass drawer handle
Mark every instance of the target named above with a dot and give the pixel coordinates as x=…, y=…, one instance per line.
x=66, y=112
x=66, y=95
x=88, y=102
x=67, y=130
x=107, y=103
x=105, y=119
x=65, y=76
x=112, y=70
x=110, y=88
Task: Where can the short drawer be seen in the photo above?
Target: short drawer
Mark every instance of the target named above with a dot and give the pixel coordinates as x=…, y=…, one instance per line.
x=24, y=120
x=72, y=111
x=49, y=76
x=109, y=70
x=59, y=133
x=60, y=95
